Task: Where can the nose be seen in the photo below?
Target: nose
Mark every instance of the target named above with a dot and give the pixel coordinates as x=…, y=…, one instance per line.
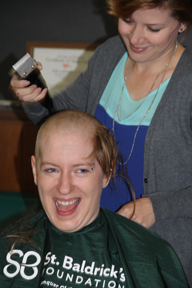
x=136, y=35
x=65, y=185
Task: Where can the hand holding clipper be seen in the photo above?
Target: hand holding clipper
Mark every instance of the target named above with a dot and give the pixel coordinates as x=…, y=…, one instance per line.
x=26, y=69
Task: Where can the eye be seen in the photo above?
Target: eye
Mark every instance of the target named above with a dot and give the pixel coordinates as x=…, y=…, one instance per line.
x=82, y=171
x=128, y=21
x=153, y=30
x=50, y=170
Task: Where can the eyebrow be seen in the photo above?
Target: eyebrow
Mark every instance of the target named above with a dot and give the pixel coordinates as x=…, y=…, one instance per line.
x=83, y=164
x=75, y=165
x=152, y=24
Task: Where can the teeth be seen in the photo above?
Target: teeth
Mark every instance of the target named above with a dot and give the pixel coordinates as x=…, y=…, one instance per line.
x=65, y=203
x=57, y=205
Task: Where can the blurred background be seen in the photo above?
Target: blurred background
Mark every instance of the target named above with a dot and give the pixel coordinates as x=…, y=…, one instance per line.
x=73, y=21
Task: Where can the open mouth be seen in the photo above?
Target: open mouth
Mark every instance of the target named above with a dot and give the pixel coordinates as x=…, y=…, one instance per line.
x=67, y=206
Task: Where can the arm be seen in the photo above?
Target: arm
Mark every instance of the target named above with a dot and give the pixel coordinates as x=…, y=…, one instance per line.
x=33, y=98
x=143, y=213
x=159, y=205
x=168, y=150
x=174, y=204
x=84, y=94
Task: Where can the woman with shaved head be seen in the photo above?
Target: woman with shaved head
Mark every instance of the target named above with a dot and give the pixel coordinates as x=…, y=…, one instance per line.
x=138, y=84
x=73, y=242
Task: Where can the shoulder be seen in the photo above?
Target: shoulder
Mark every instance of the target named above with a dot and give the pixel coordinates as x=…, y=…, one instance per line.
x=113, y=45
x=31, y=220
x=105, y=58
x=143, y=246
x=29, y=227
x=116, y=40
x=134, y=234
x=187, y=53
x=181, y=80
x=140, y=247
x=185, y=61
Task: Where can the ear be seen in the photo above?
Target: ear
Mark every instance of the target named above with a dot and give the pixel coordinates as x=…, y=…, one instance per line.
x=34, y=169
x=182, y=28
x=106, y=180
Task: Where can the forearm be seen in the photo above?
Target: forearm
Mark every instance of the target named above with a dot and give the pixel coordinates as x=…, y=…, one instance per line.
x=172, y=204
x=35, y=112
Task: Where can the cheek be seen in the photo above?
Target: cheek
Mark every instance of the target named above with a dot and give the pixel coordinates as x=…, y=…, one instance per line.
x=163, y=39
x=44, y=187
x=42, y=194
x=100, y=183
x=122, y=27
x=46, y=201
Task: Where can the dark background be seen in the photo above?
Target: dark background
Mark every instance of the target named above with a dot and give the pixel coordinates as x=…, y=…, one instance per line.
x=73, y=21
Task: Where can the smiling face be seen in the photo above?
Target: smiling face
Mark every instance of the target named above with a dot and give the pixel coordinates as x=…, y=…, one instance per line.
x=69, y=185
x=150, y=34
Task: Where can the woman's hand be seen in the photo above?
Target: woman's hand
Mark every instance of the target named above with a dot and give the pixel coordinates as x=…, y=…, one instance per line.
x=143, y=215
x=26, y=93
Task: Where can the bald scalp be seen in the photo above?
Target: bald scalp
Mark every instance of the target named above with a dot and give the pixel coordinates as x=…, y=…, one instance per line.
x=73, y=121
x=70, y=121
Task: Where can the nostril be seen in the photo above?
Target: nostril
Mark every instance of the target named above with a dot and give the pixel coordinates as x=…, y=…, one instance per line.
x=65, y=187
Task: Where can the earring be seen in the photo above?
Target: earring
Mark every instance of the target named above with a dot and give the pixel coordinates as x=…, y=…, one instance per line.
x=182, y=29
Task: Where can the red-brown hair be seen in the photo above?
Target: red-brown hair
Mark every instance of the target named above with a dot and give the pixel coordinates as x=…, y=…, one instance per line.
x=180, y=9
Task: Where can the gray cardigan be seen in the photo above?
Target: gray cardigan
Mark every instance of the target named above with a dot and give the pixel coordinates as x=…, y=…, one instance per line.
x=168, y=144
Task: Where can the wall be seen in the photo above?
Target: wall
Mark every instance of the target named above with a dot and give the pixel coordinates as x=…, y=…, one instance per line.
x=81, y=21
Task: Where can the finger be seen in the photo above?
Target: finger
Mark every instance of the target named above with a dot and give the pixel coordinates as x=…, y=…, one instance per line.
x=29, y=93
x=16, y=83
x=137, y=218
x=126, y=211
x=36, y=96
x=39, y=65
x=21, y=92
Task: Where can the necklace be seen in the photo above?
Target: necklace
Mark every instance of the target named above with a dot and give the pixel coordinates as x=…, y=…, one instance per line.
x=118, y=106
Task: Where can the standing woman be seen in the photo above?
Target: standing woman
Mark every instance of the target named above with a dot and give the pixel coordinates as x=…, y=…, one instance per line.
x=139, y=85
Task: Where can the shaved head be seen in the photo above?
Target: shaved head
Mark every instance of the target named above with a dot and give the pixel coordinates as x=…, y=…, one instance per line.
x=73, y=121
x=69, y=121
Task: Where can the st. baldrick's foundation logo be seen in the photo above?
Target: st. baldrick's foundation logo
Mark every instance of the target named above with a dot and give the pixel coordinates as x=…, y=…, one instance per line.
x=27, y=266
x=14, y=268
